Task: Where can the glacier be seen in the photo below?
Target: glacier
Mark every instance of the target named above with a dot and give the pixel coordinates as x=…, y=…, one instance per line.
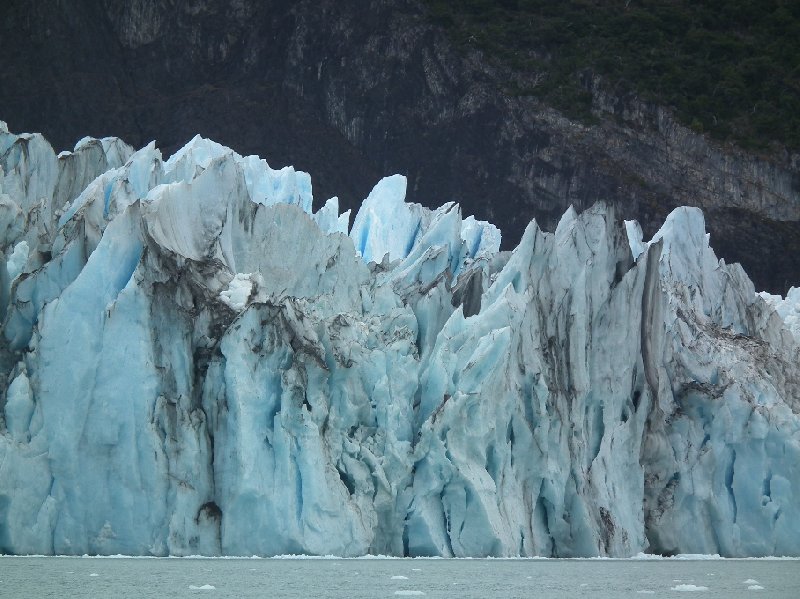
x=194, y=361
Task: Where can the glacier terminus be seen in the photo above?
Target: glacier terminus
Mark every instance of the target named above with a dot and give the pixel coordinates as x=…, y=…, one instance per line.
x=194, y=361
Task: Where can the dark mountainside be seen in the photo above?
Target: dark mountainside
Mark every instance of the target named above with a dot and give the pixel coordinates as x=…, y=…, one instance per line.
x=352, y=91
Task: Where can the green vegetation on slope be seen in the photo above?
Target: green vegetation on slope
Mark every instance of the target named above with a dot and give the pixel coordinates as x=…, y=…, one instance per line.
x=730, y=68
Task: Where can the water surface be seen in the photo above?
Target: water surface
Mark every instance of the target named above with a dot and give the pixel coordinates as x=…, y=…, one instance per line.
x=368, y=578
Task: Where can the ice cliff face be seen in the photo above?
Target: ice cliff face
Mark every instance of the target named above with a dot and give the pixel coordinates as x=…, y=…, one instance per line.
x=193, y=361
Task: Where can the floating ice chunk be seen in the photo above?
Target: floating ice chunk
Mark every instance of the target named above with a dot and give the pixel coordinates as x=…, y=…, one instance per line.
x=755, y=587
x=416, y=569
x=205, y=587
x=689, y=587
x=409, y=593
x=399, y=577
x=93, y=574
x=750, y=581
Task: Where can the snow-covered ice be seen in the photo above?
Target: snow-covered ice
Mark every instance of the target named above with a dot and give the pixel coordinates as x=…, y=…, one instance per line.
x=239, y=290
x=197, y=363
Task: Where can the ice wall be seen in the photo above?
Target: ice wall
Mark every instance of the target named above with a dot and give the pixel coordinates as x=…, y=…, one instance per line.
x=192, y=361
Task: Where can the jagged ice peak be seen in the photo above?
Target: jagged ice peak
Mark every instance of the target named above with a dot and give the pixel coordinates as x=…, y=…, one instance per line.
x=193, y=361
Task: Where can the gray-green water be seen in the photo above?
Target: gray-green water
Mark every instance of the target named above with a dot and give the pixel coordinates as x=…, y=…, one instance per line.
x=366, y=578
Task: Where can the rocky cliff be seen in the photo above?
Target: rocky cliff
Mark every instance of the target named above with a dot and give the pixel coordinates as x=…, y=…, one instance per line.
x=353, y=91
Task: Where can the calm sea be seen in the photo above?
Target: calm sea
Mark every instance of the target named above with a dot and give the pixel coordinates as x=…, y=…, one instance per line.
x=34, y=577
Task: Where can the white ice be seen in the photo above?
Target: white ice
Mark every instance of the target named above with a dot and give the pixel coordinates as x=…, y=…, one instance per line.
x=689, y=587
x=238, y=291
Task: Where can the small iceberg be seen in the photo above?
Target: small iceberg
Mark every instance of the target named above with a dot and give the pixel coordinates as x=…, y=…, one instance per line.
x=689, y=587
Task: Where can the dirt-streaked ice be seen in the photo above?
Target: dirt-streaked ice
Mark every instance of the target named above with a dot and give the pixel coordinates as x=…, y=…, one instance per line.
x=194, y=362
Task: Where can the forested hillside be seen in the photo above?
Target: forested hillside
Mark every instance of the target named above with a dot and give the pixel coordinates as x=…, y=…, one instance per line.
x=728, y=67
